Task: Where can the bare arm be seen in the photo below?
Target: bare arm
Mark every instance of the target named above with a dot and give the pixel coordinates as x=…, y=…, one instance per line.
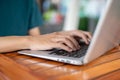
x=62, y=40
x=13, y=43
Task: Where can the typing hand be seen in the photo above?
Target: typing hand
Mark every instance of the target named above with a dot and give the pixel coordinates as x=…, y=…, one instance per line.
x=64, y=40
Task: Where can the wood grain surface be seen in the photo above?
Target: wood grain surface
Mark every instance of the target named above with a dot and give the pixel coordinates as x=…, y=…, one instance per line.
x=14, y=66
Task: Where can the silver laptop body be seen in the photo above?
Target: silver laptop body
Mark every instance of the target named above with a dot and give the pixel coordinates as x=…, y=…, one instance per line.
x=106, y=37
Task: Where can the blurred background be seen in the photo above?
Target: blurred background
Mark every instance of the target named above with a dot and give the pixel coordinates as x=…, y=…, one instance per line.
x=70, y=14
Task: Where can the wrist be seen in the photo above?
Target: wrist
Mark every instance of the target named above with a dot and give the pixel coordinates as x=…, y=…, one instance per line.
x=28, y=40
x=25, y=41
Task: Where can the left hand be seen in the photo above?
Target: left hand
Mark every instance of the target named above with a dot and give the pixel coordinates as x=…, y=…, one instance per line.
x=86, y=36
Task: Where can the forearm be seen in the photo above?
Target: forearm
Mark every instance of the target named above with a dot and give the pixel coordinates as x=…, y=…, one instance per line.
x=13, y=43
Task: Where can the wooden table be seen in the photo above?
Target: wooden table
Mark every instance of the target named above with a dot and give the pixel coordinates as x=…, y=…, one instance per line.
x=14, y=66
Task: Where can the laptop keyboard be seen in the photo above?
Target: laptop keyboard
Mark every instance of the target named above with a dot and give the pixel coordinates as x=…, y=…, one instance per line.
x=76, y=54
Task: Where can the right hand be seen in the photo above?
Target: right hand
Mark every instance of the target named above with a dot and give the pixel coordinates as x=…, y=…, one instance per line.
x=50, y=41
x=60, y=40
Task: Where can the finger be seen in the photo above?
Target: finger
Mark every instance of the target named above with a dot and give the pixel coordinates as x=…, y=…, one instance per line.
x=69, y=43
x=88, y=34
x=81, y=34
x=74, y=41
x=66, y=41
x=62, y=46
x=84, y=37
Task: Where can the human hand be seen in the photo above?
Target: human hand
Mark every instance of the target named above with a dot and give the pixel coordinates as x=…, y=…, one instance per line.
x=63, y=40
x=86, y=36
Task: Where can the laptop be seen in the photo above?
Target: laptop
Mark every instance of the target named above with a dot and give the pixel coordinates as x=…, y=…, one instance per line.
x=105, y=38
